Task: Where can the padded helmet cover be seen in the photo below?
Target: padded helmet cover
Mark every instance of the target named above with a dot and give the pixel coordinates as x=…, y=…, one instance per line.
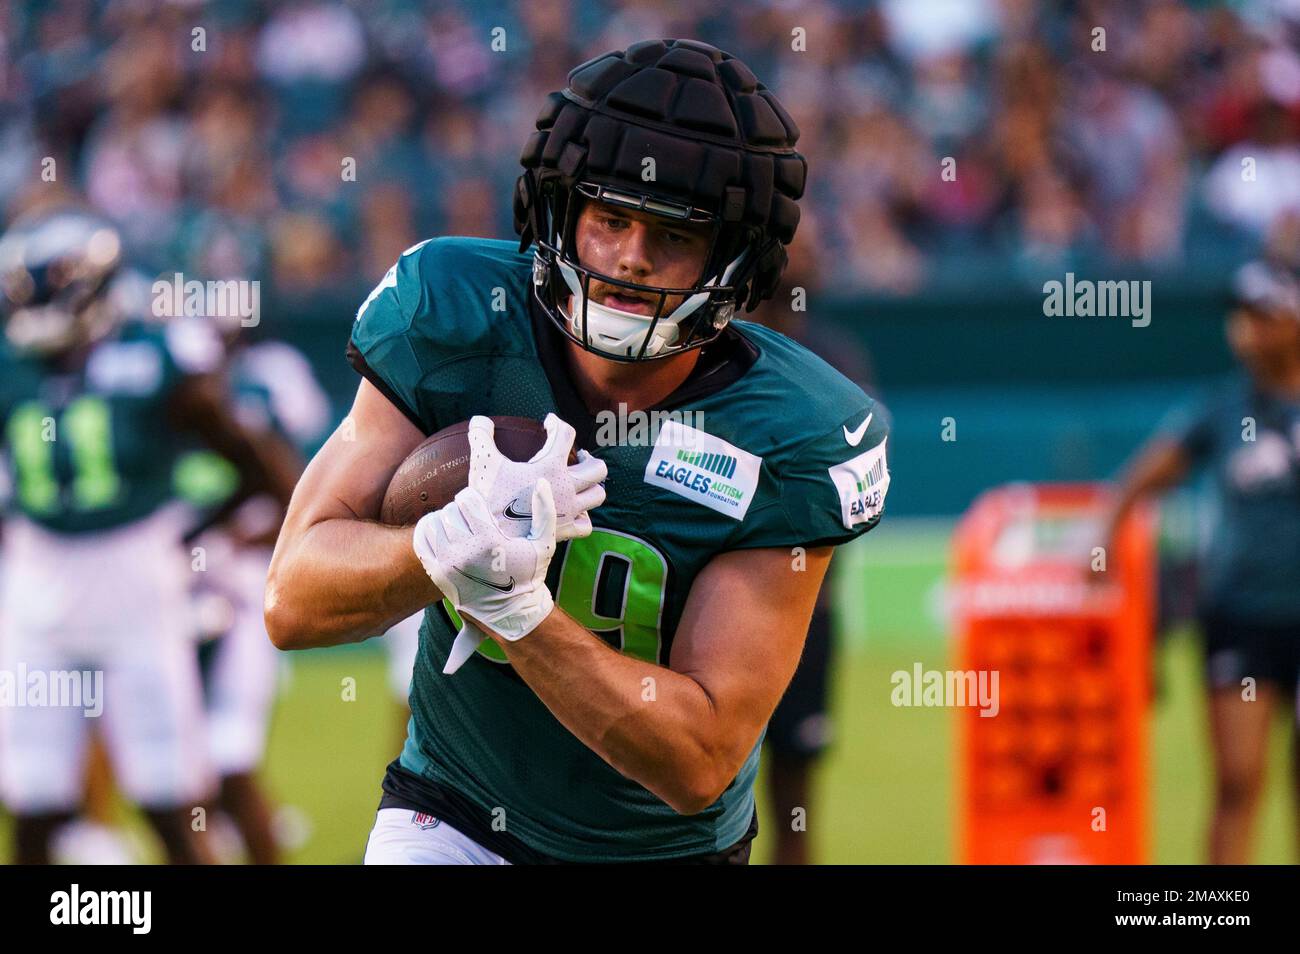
x=721, y=142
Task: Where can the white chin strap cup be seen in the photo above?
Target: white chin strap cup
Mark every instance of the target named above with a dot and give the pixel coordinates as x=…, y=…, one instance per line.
x=621, y=333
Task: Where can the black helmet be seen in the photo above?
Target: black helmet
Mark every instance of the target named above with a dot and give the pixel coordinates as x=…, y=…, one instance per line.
x=723, y=150
x=55, y=266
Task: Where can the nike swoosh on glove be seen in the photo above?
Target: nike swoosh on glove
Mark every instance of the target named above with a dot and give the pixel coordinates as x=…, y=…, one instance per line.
x=506, y=484
x=487, y=574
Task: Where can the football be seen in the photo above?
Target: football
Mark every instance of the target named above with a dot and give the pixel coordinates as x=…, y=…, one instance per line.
x=438, y=468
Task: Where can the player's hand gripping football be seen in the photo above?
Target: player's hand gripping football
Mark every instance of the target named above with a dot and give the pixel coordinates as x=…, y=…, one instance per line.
x=487, y=574
x=489, y=520
x=506, y=484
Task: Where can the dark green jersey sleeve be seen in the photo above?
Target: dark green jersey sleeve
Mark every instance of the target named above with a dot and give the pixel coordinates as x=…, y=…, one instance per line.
x=446, y=301
x=827, y=491
x=381, y=348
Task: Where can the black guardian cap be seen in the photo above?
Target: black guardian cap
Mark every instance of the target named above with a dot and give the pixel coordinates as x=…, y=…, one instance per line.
x=724, y=155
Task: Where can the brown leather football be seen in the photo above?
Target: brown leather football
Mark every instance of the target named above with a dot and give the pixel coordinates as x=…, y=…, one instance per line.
x=438, y=468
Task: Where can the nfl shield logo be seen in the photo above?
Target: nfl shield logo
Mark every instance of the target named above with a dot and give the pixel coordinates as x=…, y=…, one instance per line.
x=423, y=821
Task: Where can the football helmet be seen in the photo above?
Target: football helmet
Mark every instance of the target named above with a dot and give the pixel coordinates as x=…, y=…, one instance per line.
x=55, y=267
x=1266, y=287
x=724, y=158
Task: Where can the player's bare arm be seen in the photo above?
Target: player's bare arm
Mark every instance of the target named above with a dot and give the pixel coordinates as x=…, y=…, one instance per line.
x=266, y=463
x=338, y=575
x=1160, y=465
x=683, y=731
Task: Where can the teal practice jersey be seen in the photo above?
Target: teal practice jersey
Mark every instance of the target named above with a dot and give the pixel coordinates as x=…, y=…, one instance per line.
x=91, y=448
x=765, y=445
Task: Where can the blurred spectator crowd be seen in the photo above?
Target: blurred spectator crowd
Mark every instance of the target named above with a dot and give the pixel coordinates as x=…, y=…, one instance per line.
x=216, y=133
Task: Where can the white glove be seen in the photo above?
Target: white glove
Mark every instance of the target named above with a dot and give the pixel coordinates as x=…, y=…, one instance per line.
x=506, y=484
x=485, y=573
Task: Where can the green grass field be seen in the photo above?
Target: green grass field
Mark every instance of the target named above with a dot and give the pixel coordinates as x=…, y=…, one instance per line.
x=886, y=791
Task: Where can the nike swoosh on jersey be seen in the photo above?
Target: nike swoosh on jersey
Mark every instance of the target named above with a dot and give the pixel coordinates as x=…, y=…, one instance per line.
x=504, y=588
x=854, y=437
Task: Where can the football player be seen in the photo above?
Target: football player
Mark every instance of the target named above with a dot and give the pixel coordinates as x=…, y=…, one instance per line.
x=1248, y=438
x=640, y=636
x=93, y=404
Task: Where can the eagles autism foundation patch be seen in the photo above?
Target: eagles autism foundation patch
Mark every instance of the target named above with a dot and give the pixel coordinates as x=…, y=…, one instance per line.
x=703, y=468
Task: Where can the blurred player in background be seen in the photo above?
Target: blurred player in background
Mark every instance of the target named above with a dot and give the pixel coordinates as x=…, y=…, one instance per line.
x=93, y=406
x=281, y=406
x=1248, y=437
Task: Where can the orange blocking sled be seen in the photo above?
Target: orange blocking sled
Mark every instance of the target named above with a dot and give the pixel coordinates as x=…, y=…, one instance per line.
x=1059, y=774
